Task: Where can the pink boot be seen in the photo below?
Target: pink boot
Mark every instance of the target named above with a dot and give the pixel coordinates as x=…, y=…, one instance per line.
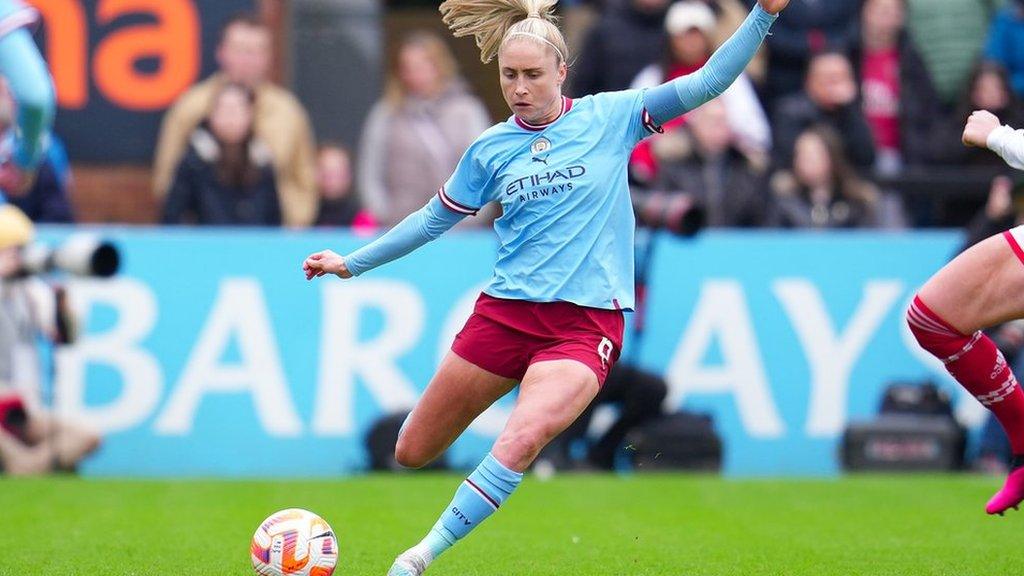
x=1013, y=491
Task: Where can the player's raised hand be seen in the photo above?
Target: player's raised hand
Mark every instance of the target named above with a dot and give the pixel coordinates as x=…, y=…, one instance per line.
x=979, y=126
x=325, y=262
x=773, y=6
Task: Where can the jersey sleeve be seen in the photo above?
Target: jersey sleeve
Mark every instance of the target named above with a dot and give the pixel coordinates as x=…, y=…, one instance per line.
x=626, y=117
x=1009, y=145
x=471, y=185
x=14, y=16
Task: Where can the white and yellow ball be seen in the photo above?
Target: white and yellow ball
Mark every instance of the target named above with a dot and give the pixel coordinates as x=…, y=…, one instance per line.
x=294, y=542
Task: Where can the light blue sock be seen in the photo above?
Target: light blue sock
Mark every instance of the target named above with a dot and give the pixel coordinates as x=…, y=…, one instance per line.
x=479, y=496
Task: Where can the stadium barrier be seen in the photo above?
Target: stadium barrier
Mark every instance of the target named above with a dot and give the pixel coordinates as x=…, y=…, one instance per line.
x=211, y=355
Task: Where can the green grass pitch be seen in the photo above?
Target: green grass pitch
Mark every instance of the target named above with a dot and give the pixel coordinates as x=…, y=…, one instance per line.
x=572, y=525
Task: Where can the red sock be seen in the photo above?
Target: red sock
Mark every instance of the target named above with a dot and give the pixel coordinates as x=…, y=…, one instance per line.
x=977, y=365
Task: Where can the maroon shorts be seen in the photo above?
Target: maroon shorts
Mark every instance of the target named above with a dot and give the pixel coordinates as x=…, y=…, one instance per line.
x=505, y=337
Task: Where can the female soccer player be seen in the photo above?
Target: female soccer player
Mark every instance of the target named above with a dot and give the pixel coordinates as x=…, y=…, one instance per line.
x=980, y=288
x=551, y=318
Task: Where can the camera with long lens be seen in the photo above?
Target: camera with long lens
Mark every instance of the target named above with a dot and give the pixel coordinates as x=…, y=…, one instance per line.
x=80, y=255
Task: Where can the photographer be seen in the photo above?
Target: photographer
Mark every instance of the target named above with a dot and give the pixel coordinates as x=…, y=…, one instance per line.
x=32, y=441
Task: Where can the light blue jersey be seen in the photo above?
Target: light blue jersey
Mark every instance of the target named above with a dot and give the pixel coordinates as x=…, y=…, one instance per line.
x=567, y=229
x=566, y=233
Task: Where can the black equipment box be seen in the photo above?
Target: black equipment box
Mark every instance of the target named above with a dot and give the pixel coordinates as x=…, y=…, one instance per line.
x=679, y=441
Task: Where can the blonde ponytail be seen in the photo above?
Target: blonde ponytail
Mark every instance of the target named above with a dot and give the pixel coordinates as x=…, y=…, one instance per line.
x=492, y=22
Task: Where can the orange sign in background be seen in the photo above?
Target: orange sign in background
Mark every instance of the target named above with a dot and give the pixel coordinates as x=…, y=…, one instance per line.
x=118, y=64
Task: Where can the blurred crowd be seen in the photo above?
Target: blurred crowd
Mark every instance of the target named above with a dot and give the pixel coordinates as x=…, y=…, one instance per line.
x=850, y=117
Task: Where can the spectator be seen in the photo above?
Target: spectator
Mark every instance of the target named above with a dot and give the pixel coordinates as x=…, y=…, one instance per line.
x=578, y=18
x=950, y=35
x=339, y=204
x=227, y=176
x=627, y=38
x=32, y=441
x=900, y=102
x=809, y=27
x=830, y=98
x=243, y=56
x=821, y=190
x=415, y=136
x=47, y=197
x=1003, y=210
x=703, y=162
x=987, y=89
x=1005, y=43
x=689, y=25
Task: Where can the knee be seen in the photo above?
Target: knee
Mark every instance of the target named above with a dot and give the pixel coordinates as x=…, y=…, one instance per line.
x=410, y=456
x=521, y=446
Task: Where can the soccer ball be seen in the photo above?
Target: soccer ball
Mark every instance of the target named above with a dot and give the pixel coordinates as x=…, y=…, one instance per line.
x=294, y=542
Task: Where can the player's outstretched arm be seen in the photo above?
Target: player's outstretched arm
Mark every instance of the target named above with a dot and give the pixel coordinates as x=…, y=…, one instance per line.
x=29, y=80
x=417, y=229
x=681, y=95
x=984, y=130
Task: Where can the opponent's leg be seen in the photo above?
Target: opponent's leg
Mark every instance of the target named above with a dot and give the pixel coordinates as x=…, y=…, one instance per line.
x=459, y=392
x=551, y=396
x=982, y=287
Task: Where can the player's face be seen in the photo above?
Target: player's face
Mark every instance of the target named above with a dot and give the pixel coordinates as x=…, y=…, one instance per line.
x=531, y=80
x=244, y=55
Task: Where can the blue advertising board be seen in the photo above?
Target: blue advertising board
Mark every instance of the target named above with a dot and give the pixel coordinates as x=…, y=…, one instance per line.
x=211, y=355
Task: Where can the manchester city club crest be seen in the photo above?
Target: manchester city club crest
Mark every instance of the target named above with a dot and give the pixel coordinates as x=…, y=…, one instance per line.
x=540, y=145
